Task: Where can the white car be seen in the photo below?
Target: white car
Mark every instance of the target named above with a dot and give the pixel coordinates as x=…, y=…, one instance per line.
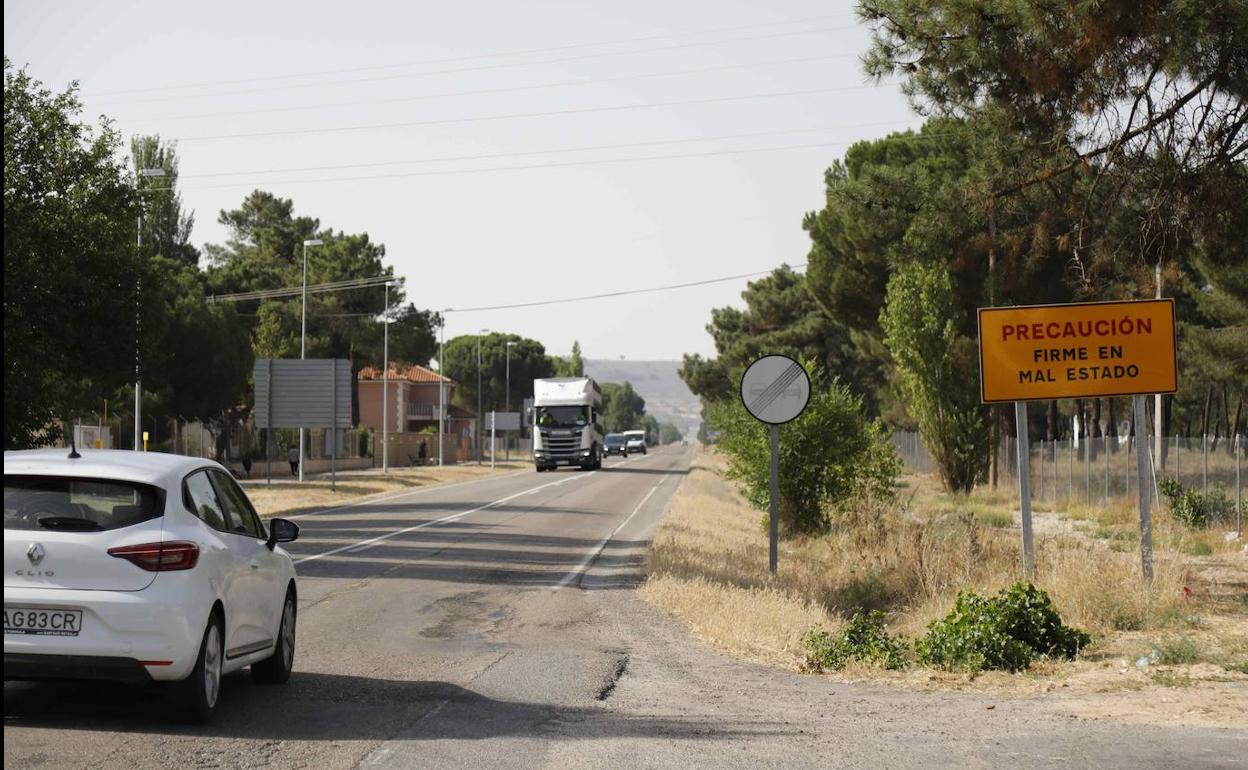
x=634, y=441
x=137, y=566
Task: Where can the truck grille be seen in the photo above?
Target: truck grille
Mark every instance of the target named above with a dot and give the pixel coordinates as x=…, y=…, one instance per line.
x=560, y=446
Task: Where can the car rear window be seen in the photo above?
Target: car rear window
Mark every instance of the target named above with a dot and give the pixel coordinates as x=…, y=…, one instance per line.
x=77, y=505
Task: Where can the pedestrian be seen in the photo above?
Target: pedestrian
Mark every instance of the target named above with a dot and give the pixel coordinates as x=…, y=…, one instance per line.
x=247, y=465
x=424, y=452
x=294, y=460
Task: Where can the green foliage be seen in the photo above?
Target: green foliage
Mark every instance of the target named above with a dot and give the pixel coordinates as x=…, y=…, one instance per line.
x=197, y=355
x=780, y=317
x=623, y=409
x=526, y=360
x=1177, y=652
x=573, y=365
x=863, y=639
x=939, y=371
x=265, y=250
x=669, y=433
x=166, y=228
x=1190, y=506
x=1005, y=632
x=831, y=455
x=70, y=268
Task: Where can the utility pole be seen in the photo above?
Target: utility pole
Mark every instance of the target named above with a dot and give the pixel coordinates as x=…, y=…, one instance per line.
x=1158, y=424
x=479, y=437
x=442, y=384
x=507, y=400
x=138, y=329
x=385, y=383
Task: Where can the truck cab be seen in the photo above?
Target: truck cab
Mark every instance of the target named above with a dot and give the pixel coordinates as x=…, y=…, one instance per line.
x=567, y=423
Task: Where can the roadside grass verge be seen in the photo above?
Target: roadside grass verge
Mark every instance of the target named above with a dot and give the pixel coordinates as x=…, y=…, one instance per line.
x=707, y=566
x=284, y=498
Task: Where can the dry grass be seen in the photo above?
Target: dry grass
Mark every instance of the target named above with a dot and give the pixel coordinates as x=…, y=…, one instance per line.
x=288, y=497
x=708, y=566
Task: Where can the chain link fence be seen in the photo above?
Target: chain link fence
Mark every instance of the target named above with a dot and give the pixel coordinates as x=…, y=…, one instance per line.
x=1098, y=471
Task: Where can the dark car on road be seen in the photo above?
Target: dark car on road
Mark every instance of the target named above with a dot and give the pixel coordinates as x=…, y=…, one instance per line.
x=614, y=445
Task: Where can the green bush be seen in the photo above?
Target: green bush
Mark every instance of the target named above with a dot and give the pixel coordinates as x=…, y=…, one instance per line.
x=1006, y=632
x=863, y=639
x=1194, y=509
x=829, y=456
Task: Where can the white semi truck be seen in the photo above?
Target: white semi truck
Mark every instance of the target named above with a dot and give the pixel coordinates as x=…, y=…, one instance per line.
x=567, y=423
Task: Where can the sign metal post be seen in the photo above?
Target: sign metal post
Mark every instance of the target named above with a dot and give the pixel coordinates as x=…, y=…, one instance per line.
x=775, y=389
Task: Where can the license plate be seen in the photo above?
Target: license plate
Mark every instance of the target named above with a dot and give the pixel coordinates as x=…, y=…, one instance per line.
x=42, y=622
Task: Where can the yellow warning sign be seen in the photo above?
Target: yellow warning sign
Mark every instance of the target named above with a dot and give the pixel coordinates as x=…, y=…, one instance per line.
x=1086, y=350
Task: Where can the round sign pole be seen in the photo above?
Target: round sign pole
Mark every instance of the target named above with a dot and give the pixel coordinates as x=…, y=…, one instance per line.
x=775, y=390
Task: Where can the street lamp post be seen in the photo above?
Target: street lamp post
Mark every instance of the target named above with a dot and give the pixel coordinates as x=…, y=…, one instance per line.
x=507, y=398
x=442, y=384
x=303, y=331
x=483, y=331
x=138, y=292
x=385, y=384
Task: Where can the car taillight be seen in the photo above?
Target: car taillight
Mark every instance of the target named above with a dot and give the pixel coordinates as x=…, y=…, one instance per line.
x=165, y=556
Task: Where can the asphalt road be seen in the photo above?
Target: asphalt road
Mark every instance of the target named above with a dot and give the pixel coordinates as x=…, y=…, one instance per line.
x=492, y=624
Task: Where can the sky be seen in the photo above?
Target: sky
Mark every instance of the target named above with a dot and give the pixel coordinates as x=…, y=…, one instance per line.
x=503, y=152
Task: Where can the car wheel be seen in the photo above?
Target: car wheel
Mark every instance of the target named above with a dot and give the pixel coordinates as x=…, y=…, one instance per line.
x=198, y=694
x=276, y=668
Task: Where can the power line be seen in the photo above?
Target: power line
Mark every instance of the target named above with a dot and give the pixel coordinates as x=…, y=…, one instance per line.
x=512, y=116
x=524, y=52
x=480, y=68
x=530, y=167
x=292, y=291
x=625, y=293
x=498, y=155
x=510, y=89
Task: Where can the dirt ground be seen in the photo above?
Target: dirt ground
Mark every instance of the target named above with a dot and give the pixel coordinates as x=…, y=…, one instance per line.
x=1183, y=660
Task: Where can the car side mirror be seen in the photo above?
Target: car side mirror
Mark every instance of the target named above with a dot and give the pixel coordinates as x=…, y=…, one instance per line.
x=282, y=531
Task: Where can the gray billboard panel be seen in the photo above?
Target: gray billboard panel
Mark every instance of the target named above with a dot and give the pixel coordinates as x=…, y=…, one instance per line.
x=502, y=420
x=312, y=393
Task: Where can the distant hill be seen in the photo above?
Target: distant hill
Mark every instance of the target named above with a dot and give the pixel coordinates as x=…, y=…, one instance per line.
x=667, y=397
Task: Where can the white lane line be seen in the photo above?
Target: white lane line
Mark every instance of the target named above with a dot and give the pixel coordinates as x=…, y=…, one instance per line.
x=372, y=541
x=593, y=554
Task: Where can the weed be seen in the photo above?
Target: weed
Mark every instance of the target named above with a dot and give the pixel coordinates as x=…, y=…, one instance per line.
x=1198, y=548
x=863, y=639
x=1171, y=678
x=1180, y=651
x=995, y=519
x=862, y=593
x=1003, y=632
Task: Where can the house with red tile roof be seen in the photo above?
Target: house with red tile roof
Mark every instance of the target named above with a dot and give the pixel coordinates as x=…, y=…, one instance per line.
x=413, y=413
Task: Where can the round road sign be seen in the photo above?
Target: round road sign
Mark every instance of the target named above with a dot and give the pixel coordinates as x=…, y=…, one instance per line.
x=775, y=389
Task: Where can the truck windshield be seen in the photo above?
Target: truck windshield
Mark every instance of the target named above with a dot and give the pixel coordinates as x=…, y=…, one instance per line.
x=562, y=416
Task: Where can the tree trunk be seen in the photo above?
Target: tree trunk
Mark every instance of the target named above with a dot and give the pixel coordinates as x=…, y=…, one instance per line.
x=1051, y=418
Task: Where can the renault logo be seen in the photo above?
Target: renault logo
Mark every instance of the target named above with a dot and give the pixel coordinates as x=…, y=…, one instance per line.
x=35, y=553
